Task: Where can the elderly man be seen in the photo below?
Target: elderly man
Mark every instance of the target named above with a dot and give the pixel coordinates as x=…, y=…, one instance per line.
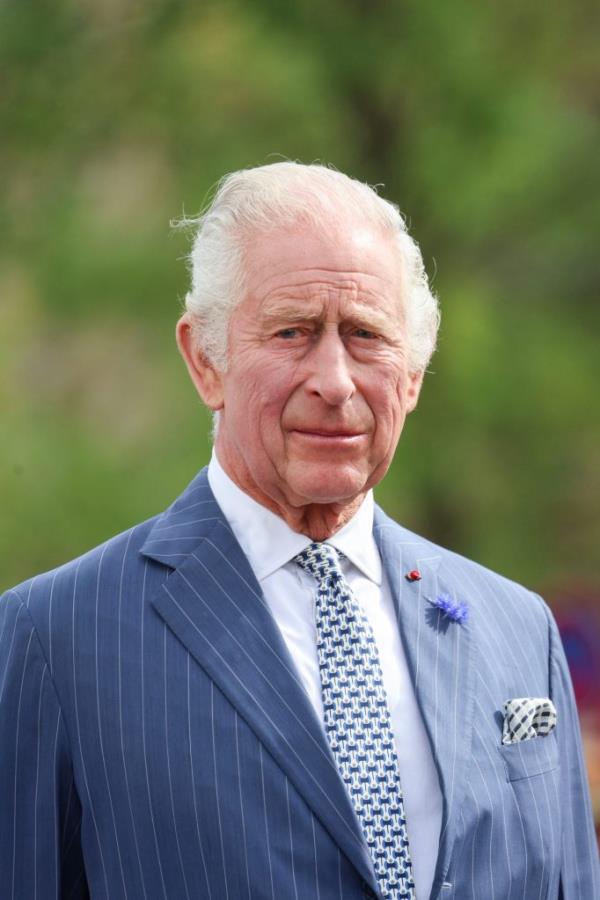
x=272, y=690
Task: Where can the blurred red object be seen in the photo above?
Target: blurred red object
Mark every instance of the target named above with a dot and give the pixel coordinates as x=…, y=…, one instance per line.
x=578, y=615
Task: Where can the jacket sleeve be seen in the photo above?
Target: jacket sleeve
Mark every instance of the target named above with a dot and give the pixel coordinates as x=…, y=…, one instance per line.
x=40, y=814
x=580, y=869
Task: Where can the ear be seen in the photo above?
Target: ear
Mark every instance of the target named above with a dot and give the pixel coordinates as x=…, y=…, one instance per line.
x=207, y=380
x=415, y=380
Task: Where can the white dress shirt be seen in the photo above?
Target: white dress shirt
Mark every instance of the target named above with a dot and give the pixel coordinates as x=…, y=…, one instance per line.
x=270, y=546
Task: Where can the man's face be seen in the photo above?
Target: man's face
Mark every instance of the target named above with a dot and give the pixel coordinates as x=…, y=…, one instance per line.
x=318, y=386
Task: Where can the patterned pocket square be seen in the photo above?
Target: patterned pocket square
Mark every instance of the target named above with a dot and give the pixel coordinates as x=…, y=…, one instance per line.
x=526, y=718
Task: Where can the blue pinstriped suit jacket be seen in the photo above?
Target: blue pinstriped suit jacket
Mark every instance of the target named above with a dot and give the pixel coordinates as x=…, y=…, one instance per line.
x=156, y=743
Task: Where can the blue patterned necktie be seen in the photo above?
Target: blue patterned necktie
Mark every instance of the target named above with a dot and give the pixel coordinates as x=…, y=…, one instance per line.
x=357, y=720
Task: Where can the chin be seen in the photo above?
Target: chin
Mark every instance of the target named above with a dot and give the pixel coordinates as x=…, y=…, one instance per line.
x=328, y=487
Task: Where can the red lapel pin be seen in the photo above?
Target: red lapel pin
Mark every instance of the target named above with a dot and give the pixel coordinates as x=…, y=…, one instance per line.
x=413, y=575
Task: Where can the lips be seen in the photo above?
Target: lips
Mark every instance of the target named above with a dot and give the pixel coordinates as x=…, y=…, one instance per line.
x=326, y=438
x=321, y=432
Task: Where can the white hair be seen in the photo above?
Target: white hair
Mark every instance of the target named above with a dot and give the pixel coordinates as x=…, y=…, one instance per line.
x=283, y=194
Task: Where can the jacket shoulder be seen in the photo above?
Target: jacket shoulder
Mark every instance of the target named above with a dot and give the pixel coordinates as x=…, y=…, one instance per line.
x=82, y=577
x=484, y=587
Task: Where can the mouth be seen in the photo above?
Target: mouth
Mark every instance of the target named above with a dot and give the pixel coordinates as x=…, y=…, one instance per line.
x=325, y=436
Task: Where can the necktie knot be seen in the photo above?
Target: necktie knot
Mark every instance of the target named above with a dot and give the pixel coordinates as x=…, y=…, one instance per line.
x=322, y=561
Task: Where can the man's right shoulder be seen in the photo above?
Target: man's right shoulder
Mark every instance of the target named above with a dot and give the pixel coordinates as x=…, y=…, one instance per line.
x=104, y=566
x=135, y=562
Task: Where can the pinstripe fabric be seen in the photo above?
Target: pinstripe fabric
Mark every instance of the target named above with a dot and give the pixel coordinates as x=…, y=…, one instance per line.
x=155, y=741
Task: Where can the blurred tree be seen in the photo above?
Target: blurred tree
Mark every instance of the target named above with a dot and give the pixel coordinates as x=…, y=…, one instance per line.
x=481, y=121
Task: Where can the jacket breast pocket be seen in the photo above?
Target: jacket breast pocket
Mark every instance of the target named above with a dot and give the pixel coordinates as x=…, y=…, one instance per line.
x=529, y=758
x=532, y=790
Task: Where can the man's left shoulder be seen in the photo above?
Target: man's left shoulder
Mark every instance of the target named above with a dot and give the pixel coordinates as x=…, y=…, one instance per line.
x=484, y=591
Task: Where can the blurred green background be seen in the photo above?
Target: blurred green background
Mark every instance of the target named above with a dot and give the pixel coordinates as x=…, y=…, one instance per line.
x=479, y=119
x=481, y=122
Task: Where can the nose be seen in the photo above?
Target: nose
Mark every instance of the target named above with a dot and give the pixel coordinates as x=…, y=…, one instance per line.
x=330, y=377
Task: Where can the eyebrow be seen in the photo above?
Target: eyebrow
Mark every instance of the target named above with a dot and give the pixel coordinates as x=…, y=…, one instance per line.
x=365, y=316
x=291, y=314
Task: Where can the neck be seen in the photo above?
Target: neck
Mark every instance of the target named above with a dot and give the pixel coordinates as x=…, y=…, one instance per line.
x=318, y=521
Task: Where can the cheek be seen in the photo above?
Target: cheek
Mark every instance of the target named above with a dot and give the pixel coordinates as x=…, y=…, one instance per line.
x=260, y=400
x=277, y=387
x=389, y=410
x=388, y=396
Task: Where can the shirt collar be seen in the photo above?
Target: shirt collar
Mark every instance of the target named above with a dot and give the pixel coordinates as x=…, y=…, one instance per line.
x=269, y=543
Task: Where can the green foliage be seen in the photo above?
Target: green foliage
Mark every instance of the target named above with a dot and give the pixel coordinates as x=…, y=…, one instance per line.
x=480, y=121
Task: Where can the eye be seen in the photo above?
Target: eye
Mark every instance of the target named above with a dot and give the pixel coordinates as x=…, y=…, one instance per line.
x=364, y=333
x=287, y=333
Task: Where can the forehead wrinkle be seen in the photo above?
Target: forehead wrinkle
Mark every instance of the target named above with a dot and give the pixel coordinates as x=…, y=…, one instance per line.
x=305, y=279
x=358, y=313
x=284, y=299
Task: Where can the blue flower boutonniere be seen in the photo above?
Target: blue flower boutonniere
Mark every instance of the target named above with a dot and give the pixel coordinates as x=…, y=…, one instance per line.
x=451, y=609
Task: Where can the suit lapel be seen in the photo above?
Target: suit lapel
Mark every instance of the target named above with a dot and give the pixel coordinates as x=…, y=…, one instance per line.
x=439, y=655
x=213, y=603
